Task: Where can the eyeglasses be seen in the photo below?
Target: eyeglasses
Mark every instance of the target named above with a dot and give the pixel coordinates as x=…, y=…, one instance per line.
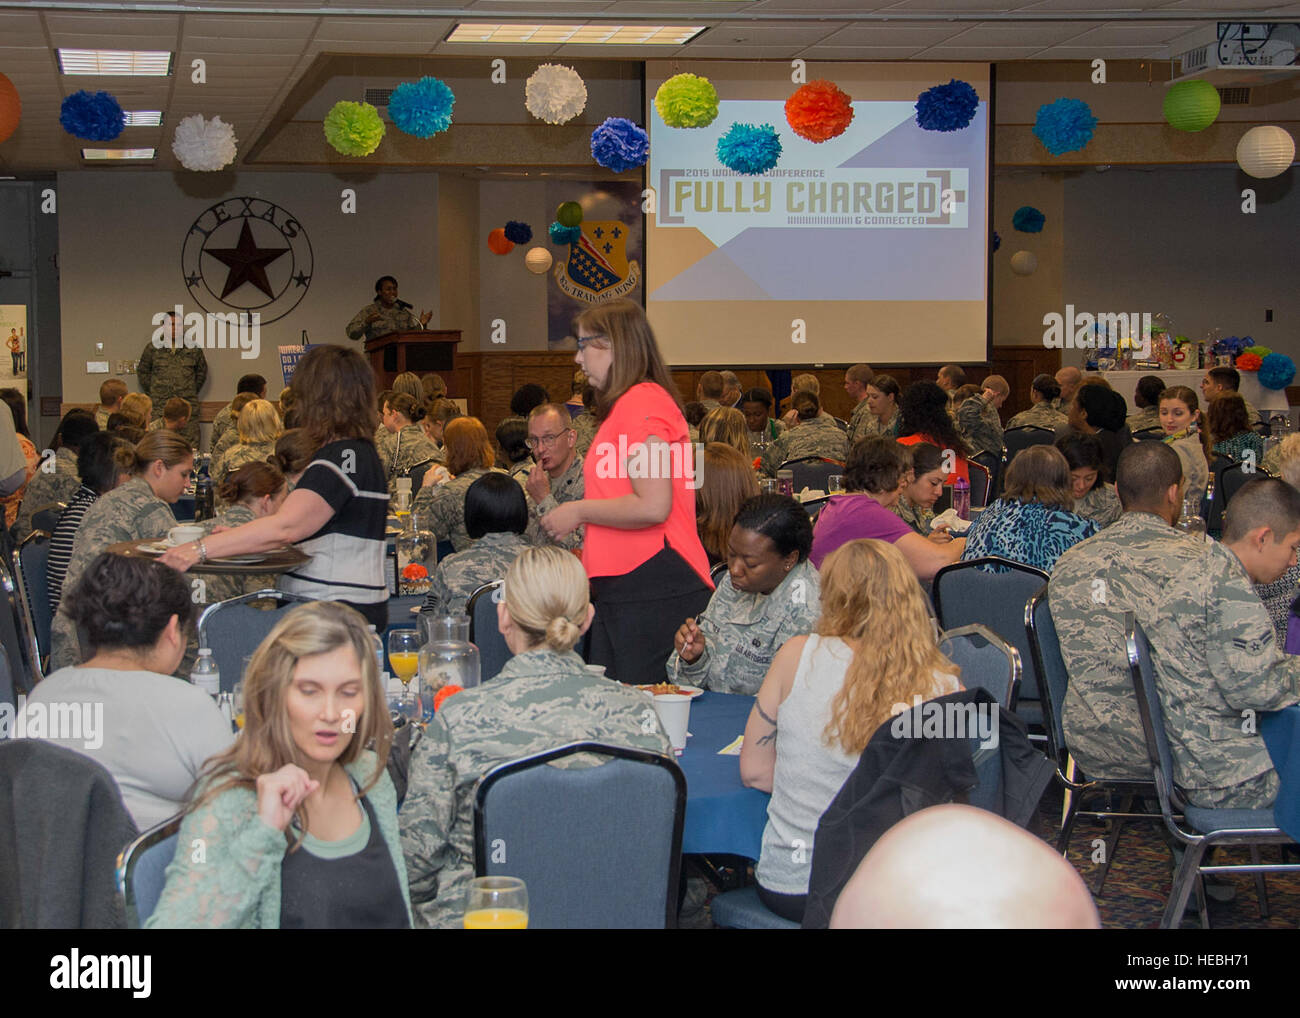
x=546, y=441
x=586, y=341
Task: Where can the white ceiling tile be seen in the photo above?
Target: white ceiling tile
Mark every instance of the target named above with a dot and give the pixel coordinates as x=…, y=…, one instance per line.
x=890, y=36
x=1049, y=34
x=397, y=31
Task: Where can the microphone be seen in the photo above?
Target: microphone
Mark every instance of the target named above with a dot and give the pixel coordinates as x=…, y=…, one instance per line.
x=403, y=305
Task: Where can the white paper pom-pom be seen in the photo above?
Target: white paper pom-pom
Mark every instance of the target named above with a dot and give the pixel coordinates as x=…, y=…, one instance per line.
x=555, y=94
x=204, y=144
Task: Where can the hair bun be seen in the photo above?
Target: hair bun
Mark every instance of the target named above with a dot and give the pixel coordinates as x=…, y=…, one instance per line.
x=562, y=634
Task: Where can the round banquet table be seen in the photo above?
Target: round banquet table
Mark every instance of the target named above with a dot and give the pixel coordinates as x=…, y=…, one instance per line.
x=279, y=561
x=722, y=815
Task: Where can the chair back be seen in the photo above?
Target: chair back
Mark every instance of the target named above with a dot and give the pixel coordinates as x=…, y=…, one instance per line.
x=717, y=572
x=233, y=629
x=31, y=571
x=1017, y=440
x=8, y=689
x=1153, y=716
x=812, y=472
x=47, y=516
x=17, y=636
x=142, y=868
x=416, y=474
x=1053, y=677
x=1234, y=478
x=981, y=483
x=622, y=872
x=968, y=592
x=484, y=631
x=986, y=662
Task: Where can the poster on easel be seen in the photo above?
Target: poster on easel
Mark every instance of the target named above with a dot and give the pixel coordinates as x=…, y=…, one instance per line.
x=13, y=331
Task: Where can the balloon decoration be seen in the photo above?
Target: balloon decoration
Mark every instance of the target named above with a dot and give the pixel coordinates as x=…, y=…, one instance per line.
x=1265, y=151
x=1028, y=219
x=949, y=107
x=687, y=100
x=11, y=108
x=1191, y=105
x=95, y=116
x=1277, y=371
x=818, y=111
x=538, y=260
x=518, y=233
x=568, y=213
x=619, y=145
x=1023, y=263
x=497, y=242
x=564, y=235
x=204, y=145
x=749, y=149
x=555, y=94
x=354, y=129
x=422, y=108
x=1064, y=126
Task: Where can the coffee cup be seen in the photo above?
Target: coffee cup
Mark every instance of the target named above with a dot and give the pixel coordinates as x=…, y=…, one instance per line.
x=184, y=534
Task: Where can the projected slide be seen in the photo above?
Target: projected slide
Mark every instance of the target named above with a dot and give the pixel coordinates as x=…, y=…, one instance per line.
x=870, y=246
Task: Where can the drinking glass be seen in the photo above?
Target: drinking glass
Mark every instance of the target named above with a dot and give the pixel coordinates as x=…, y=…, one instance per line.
x=496, y=903
x=404, y=659
x=835, y=484
x=237, y=704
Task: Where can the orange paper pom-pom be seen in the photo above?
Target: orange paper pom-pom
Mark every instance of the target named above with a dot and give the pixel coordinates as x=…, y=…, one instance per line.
x=11, y=108
x=1248, y=362
x=414, y=571
x=442, y=694
x=497, y=242
x=819, y=111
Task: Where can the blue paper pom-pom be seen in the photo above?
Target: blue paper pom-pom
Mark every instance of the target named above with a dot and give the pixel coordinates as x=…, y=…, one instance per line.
x=518, y=233
x=947, y=107
x=1277, y=371
x=422, y=108
x=618, y=145
x=1064, y=126
x=1028, y=219
x=997, y=241
x=564, y=235
x=749, y=149
x=95, y=116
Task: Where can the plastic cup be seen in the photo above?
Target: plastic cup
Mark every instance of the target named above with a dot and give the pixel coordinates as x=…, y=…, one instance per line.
x=674, y=711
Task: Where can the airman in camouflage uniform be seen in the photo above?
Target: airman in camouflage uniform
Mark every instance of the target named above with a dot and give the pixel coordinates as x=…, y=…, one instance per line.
x=817, y=437
x=1144, y=419
x=540, y=700
x=224, y=586
x=224, y=421
x=459, y=575
x=46, y=486
x=1101, y=505
x=441, y=508
x=861, y=419
x=979, y=424
x=404, y=450
x=1040, y=415
x=585, y=425
x=568, y=487
x=131, y=512
x=168, y=373
x=742, y=631
x=1212, y=646
x=229, y=439
x=238, y=455
x=391, y=319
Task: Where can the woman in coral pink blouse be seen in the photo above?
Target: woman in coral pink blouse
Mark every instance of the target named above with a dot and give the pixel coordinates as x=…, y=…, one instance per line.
x=642, y=552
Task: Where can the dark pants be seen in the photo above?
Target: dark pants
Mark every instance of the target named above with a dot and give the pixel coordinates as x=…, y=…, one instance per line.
x=638, y=613
x=787, y=906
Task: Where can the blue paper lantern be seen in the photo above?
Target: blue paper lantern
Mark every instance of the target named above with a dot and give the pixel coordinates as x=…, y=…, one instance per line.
x=947, y=107
x=422, y=108
x=1028, y=219
x=749, y=149
x=1064, y=126
x=997, y=241
x=619, y=145
x=95, y=116
x=518, y=233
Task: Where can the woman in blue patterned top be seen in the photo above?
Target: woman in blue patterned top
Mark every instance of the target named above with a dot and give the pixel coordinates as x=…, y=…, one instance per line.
x=1230, y=430
x=1033, y=521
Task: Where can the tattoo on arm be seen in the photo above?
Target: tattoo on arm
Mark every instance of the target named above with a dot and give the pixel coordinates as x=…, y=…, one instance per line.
x=771, y=736
x=770, y=721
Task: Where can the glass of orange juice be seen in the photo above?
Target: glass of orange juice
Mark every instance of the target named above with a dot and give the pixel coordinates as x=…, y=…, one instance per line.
x=496, y=903
x=404, y=659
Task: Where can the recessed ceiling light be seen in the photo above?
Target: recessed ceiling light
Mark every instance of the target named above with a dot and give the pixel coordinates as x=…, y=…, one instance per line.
x=116, y=62
x=598, y=34
x=118, y=153
x=143, y=118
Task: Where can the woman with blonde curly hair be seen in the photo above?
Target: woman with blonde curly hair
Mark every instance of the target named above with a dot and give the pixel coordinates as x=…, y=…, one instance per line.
x=824, y=697
x=298, y=819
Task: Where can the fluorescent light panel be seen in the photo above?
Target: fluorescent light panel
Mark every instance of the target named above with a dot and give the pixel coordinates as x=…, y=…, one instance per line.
x=613, y=35
x=143, y=118
x=118, y=153
x=116, y=62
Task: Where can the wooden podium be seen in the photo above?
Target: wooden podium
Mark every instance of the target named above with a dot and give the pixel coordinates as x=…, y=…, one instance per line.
x=417, y=351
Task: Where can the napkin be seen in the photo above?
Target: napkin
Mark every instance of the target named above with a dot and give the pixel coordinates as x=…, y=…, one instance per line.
x=808, y=494
x=954, y=523
x=732, y=748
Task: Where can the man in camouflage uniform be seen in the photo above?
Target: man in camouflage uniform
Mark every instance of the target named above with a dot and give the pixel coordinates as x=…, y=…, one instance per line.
x=169, y=369
x=557, y=477
x=814, y=436
x=540, y=700
x=977, y=417
x=225, y=419
x=742, y=632
x=385, y=314
x=459, y=575
x=856, y=380
x=1219, y=380
x=1212, y=643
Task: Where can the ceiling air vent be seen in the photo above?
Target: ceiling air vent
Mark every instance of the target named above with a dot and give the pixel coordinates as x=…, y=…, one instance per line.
x=1234, y=96
x=378, y=96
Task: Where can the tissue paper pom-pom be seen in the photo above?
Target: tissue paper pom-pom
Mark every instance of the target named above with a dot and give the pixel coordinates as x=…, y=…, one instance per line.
x=448, y=690
x=618, y=145
x=749, y=149
x=564, y=235
x=947, y=107
x=1277, y=371
x=95, y=116
x=11, y=108
x=997, y=241
x=555, y=93
x=1248, y=362
x=568, y=213
x=1028, y=219
x=538, y=260
x=819, y=111
x=1259, y=351
x=422, y=108
x=497, y=242
x=1064, y=126
x=518, y=233
x=353, y=129
x=687, y=100
x=204, y=145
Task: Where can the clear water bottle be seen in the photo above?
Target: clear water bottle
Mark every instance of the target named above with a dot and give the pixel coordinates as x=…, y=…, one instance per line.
x=785, y=482
x=377, y=640
x=204, y=506
x=1191, y=522
x=961, y=497
x=205, y=674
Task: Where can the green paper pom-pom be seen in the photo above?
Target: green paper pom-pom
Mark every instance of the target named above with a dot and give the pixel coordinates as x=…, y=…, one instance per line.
x=687, y=100
x=354, y=129
x=1191, y=105
x=1259, y=351
x=569, y=213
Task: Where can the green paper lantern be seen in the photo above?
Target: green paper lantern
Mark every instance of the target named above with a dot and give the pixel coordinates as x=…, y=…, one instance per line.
x=1191, y=105
x=569, y=213
x=354, y=129
x=687, y=100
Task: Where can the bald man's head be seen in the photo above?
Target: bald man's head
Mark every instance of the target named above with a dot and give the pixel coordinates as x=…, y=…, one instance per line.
x=1068, y=379
x=958, y=867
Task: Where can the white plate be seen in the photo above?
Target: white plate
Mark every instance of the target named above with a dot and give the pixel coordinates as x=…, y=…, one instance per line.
x=154, y=547
x=691, y=691
x=241, y=560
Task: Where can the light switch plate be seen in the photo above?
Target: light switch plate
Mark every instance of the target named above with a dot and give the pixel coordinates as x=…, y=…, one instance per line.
x=96, y=367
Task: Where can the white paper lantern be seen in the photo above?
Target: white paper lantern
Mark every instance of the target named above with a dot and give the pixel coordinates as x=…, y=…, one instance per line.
x=555, y=94
x=1265, y=151
x=1023, y=263
x=538, y=260
x=204, y=145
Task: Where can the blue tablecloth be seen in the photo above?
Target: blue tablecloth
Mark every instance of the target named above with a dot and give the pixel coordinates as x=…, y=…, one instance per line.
x=1281, y=732
x=722, y=815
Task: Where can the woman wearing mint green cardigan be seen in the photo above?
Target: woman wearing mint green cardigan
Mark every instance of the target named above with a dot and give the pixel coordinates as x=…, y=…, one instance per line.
x=295, y=826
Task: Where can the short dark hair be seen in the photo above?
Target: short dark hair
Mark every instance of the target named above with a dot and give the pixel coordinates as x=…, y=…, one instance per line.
x=712, y=385
x=251, y=383
x=1046, y=386
x=526, y=397
x=694, y=412
x=1146, y=470
x=886, y=384
x=1226, y=376
x=76, y=425
x=1148, y=391
x=102, y=458
x=781, y=519
x=806, y=404
x=126, y=602
x=512, y=436
x=495, y=504
x=1262, y=502
x=757, y=396
x=955, y=374
x=875, y=464
x=1104, y=407
x=379, y=283
x=925, y=457
x=1084, y=452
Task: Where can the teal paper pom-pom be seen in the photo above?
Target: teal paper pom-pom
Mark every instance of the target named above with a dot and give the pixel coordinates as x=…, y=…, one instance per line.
x=422, y=108
x=1064, y=126
x=749, y=149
